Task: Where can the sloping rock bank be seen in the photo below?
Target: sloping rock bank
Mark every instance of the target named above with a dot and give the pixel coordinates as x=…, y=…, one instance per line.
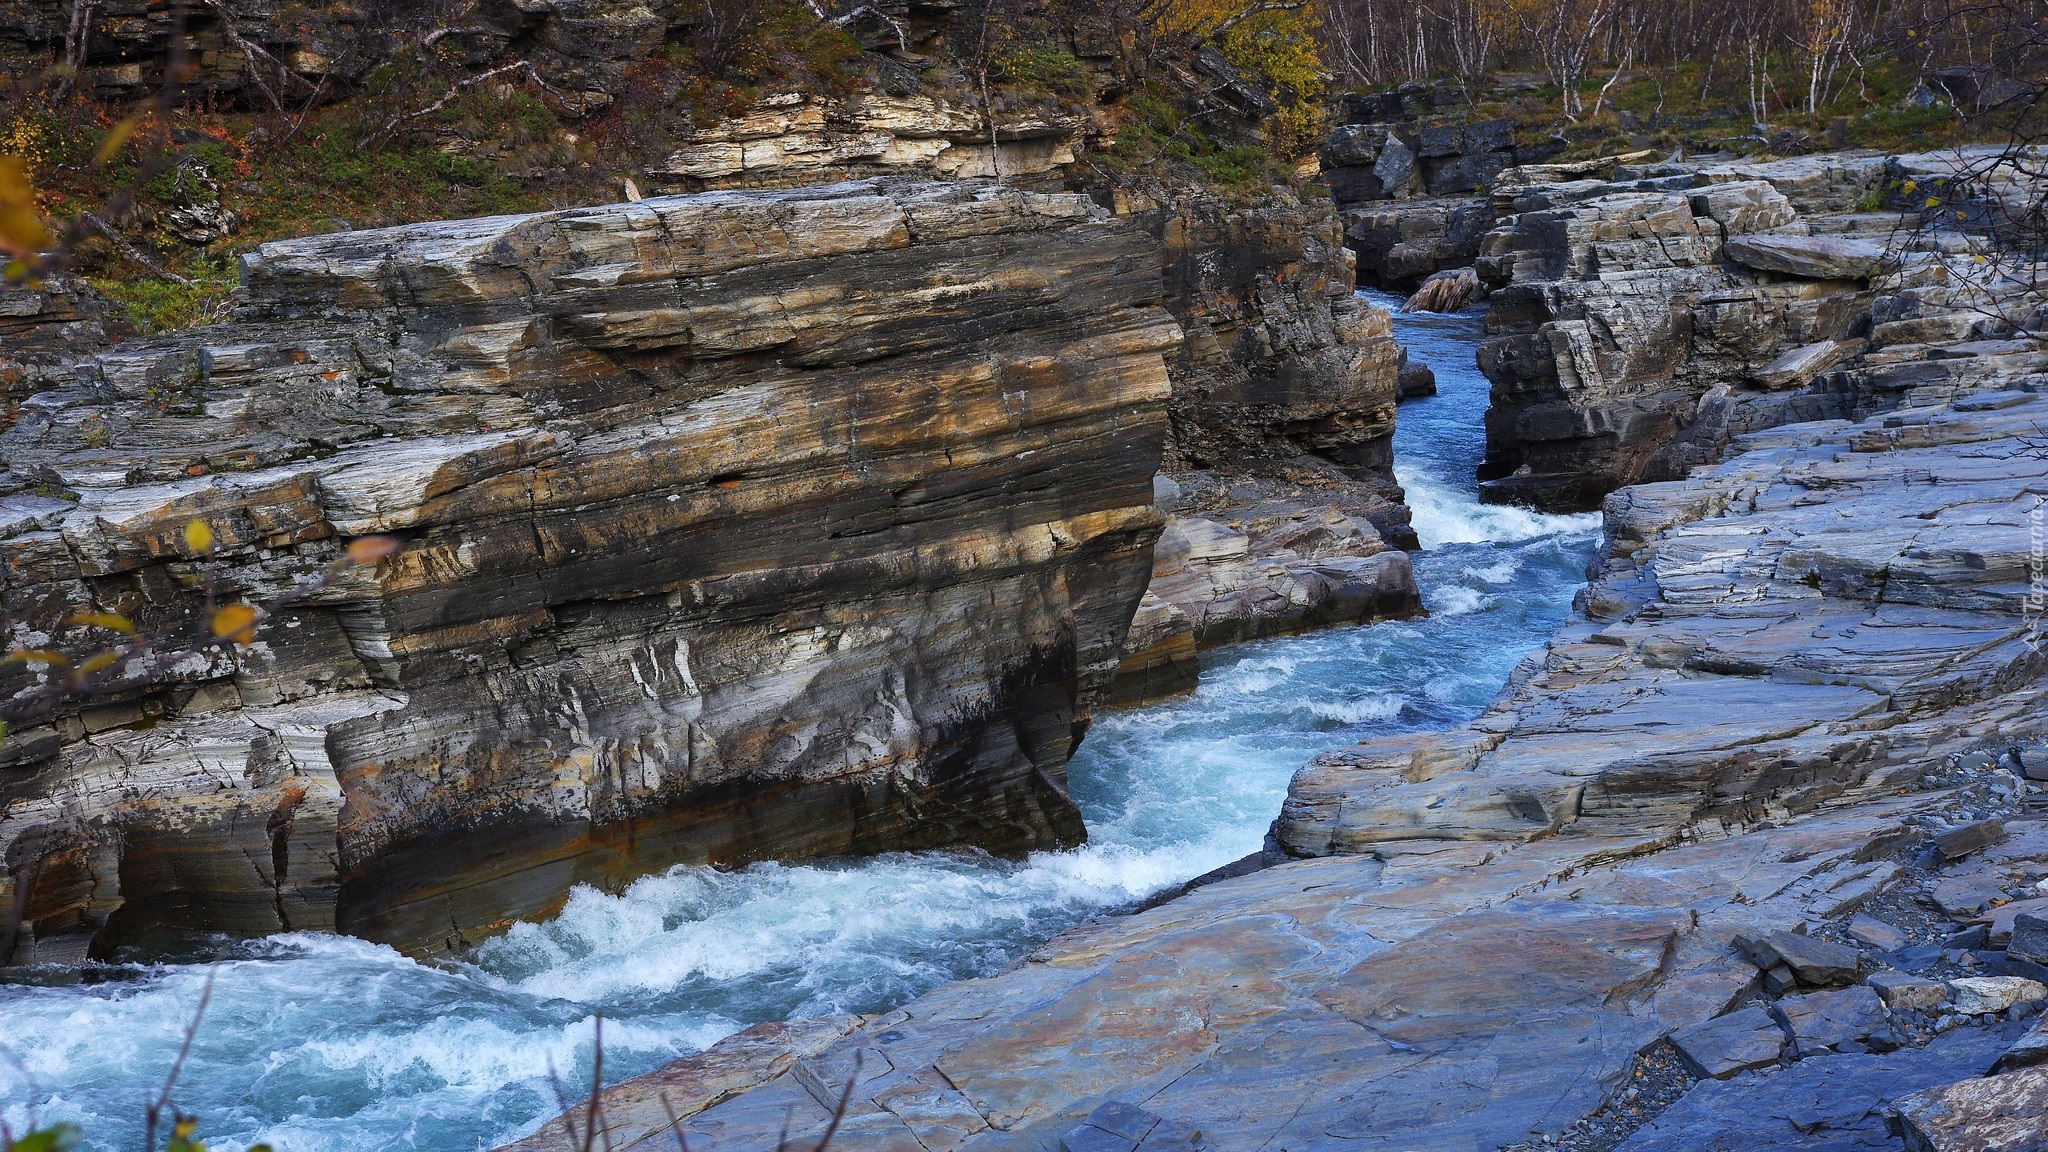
x=734, y=525
x=1754, y=730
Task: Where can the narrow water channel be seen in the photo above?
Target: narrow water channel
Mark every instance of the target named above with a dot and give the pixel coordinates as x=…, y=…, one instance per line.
x=327, y=1044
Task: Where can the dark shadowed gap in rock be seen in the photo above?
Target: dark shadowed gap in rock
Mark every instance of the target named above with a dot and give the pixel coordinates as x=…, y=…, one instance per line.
x=321, y=1043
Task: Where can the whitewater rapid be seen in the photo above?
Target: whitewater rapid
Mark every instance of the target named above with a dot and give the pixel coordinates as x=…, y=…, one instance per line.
x=328, y=1044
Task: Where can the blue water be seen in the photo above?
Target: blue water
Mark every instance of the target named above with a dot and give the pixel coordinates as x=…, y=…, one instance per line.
x=318, y=1043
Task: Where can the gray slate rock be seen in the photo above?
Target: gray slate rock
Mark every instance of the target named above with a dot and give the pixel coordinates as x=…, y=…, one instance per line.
x=1877, y=933
x=2029, y=939
x=1901, y=991
x=1817, y=963
x=2031, y=1050
x=1835, y=1103
x=1821, y=1020
x=1743, y=1039
x=1960, y=842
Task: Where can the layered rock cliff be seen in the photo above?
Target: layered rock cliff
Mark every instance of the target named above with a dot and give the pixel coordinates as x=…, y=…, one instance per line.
x=734, y=525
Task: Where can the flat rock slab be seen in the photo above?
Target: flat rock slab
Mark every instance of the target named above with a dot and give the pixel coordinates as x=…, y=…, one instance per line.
x=1809, y=257
x=1817, y=963
x=1743, y=1039
x=2003, y=1113
x=1960, y=842
x=1835, y=1103
x=1831, y=1019
x=1901, y=991
x=1965, y=895
x=1877, y=933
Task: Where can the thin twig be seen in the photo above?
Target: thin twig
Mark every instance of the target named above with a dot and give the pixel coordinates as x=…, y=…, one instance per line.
x=675, y=1124
x=456, y=89
x=163, y=1098
x=132, y=252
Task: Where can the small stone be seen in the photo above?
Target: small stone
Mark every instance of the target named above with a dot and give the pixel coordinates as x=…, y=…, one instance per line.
x=1719, y=1048
x=1975, y=994
x=1878, y=934
x=1960, y=842
x=2005, y=1112
x=1901, y=991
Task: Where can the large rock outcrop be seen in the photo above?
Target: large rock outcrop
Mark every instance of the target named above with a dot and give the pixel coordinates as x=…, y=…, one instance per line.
x=1637, y=323
x=734, y=525
x=1816, y=618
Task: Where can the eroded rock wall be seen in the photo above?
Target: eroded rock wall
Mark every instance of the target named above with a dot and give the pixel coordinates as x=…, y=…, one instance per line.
x=734, y=525
x=1283, y=510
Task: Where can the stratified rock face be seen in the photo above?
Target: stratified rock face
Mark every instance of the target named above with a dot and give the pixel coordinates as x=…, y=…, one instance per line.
x=1613, y=312
x=1282, y=359
x=792, y=138
x=45, y=328
x=735, y=525
x=1811, y=620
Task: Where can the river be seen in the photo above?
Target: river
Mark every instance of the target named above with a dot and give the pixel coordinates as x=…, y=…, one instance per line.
x=327, y=1044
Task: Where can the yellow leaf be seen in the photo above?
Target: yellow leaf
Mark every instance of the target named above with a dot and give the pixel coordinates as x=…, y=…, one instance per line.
x=112, y=621
x=38, y=656
x=116, y=136
x=1909, y=187
x=103, y=660
x=21, y=226
x=198, y=537
x=370, y=549
x=1934, y=202
x=235, y=622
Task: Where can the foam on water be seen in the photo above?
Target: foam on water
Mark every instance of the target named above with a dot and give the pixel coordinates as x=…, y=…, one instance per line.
x=326, y=1044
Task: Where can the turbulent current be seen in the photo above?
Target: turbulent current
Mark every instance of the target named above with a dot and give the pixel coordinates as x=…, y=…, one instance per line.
x=316, y=1043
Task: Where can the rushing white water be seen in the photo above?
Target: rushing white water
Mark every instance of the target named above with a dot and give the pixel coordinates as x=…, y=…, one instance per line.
x=318, y=1043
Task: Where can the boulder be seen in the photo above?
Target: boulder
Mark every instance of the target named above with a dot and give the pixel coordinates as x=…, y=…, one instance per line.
x=2030, y=1050
x=1974, y=995
x=2029, y=939
x=1809, y=257
x=1798, y=367
x=2002, y=927
x=1446, y=291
